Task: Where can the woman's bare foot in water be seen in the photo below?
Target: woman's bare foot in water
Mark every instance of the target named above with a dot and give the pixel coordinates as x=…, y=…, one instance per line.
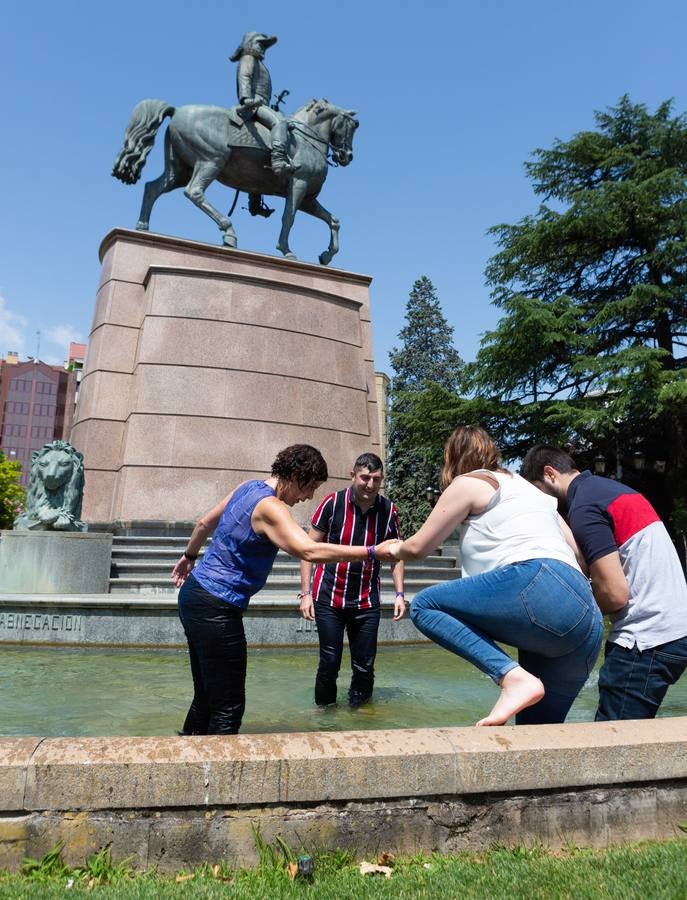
x=519, y=690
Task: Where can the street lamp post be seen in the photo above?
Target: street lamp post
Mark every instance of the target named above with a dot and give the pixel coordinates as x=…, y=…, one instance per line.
x=432, y=495
x=638, y=460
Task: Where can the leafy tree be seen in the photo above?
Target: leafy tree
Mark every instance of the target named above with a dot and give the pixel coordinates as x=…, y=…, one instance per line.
x=12, y=494
x=593, y=287
x=426, y=361
x=427, y=355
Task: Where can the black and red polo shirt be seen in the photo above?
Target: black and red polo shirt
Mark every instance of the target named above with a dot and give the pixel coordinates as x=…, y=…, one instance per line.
x=607, y=516
x=341, y=520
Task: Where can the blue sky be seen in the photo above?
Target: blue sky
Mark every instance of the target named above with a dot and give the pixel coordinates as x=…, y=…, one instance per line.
x=452, y=99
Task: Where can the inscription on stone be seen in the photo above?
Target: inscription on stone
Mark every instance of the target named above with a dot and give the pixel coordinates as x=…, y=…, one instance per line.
x=305, y=625
x=40, y=622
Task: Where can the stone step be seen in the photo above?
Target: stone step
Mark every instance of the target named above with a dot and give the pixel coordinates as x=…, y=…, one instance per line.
x=142, y=564
x=167, y=553
x=158, y=580
x=149, y=540
x=154, y=546
x=281, y=567
x=273, y=591
x=172, y=554
x=287, y=577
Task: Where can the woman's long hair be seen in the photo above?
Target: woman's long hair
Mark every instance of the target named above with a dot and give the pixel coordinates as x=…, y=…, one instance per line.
x=467, y=449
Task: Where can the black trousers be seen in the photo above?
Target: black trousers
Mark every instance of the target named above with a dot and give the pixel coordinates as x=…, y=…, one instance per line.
x=361, y=626
x=218, y=655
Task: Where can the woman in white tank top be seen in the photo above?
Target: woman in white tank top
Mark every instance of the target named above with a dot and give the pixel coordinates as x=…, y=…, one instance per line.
x=523, y=585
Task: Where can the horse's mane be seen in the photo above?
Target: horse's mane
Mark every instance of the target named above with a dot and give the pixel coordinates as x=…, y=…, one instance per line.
x=311, y=104
x=313, y=110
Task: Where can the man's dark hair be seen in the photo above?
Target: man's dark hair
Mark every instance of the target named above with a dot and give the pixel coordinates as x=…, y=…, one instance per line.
x=545, y=455
x=369, y=461
x=300, y=463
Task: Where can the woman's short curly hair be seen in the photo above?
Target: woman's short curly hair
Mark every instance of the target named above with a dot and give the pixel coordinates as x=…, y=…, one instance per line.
x=300, y=463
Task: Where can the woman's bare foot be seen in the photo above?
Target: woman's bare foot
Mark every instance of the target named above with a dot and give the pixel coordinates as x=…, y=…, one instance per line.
x=519, y=690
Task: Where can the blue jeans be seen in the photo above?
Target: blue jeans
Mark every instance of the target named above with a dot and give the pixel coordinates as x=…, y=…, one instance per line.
x=361, y=626
x=543, y=607
x=633, y=683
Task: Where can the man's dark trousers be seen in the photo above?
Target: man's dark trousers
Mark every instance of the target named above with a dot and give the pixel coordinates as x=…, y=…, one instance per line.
x=633, y=682
x=361, y=626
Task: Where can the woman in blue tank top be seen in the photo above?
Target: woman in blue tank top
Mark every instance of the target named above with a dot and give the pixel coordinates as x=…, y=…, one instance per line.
x=249, y=526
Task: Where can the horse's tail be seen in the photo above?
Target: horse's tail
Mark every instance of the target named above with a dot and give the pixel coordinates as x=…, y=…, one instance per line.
x=139, y=138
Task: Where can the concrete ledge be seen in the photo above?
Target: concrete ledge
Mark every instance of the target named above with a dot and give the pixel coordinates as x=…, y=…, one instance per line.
x=175, y=802
x=124, y=773
x=15, y=759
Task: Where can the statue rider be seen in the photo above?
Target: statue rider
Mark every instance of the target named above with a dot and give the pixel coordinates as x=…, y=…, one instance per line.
x=254, y=89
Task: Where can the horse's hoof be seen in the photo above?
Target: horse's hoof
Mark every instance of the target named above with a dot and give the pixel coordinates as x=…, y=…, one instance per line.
x=229, y=240
x=290, y=255
x=325, y=259
x=142, y=226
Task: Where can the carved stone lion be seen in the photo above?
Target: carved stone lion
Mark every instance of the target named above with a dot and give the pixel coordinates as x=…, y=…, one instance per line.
x=55, y=493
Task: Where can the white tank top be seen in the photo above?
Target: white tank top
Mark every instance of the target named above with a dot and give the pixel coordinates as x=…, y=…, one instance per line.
x=520, y=523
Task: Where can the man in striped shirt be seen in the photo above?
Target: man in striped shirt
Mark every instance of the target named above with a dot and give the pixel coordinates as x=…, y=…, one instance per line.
x=636, y=577
x=344, y=597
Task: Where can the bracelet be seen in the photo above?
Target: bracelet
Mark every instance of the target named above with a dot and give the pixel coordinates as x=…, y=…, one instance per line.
x=189, y=557
x=301, y=595
x=371, y=552
x=400, y=594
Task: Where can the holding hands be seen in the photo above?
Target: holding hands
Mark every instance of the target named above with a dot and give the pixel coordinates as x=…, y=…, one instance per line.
x=389, y=551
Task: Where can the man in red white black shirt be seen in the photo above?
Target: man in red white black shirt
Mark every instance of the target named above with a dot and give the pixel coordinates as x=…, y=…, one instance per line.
x=345, y=596
x=636, y=577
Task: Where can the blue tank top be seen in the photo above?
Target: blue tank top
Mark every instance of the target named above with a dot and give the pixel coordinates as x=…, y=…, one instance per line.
x=238, y=561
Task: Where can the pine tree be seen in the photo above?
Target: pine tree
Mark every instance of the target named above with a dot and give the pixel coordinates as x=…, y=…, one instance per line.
x=593, y=287
x=426, y=361
x=427, y=355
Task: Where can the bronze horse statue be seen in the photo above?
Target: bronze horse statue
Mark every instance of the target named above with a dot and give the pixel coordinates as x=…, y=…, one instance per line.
x=208, y=143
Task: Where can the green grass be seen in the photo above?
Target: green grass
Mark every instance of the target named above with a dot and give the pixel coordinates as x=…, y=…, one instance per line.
x=650, y=871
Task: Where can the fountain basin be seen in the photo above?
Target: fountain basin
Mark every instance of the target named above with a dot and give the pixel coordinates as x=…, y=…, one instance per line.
x=176, y=802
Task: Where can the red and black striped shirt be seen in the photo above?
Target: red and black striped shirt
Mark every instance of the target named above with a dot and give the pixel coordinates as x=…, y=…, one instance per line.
x=341, y=520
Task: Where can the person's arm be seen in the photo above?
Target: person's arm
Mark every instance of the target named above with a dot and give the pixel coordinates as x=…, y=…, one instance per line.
x=592, y=527
x=272, y=518
x=204, y=527
x=465, y=495
x=307, y=607
x=572, y=543
x=393, y=530
x=399, y=600
x=609, y=584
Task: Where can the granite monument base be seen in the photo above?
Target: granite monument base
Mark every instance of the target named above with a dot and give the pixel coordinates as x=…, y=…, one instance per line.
x=204, y=362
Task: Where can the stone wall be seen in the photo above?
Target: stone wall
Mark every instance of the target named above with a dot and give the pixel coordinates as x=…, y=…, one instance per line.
x=150, y=620
x=176, y=802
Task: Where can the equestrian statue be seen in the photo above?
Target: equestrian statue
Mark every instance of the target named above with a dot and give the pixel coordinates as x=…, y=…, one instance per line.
x=251, y=147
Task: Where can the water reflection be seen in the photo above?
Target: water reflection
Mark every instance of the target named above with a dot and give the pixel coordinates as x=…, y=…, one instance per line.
x=67, y=691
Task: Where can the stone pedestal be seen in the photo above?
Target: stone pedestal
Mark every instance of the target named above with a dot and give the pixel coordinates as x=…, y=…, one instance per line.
x=54, y=562
x=204, y=362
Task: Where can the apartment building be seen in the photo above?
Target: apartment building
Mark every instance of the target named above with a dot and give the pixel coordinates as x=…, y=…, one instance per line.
x=36, y=406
